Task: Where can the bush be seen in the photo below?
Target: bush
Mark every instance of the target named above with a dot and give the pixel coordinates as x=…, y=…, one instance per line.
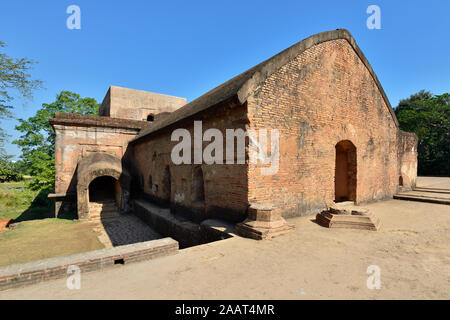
x=8, y=175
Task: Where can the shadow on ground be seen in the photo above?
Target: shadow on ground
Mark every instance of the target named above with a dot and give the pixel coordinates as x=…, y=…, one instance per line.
x=125, y=229
x=41, y=208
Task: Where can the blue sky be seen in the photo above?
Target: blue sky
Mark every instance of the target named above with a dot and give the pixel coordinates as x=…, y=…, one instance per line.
x=185, y=48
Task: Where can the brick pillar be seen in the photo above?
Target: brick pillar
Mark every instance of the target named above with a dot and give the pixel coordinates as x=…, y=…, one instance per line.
x=263, y=222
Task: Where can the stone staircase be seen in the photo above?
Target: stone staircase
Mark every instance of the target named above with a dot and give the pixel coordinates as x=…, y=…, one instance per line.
x=348, y=215
x=425, y=194
x=104, y=211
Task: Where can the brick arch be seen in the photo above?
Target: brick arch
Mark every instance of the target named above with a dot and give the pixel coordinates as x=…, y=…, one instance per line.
x=95, y=166
x=345, y=177
x=198, y=185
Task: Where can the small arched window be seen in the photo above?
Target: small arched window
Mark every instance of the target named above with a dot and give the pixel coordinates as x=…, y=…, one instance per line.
x=166, y=184
x=150, y=117
x=198, y=187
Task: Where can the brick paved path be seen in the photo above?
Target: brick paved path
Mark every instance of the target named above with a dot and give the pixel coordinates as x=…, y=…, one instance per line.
x=125, y=229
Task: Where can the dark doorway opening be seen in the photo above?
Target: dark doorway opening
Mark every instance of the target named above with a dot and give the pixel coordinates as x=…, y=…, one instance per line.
x=102, y=189
x=104, y=198
x=166, y=184
x=198, y=185
x=345, y=172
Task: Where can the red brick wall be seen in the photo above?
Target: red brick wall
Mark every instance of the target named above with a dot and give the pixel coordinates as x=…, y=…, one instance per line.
x=75, y=142
x=225, y=186
x=323, y=96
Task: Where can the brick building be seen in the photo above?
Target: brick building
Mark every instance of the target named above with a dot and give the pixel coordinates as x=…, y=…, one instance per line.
x=339, y=140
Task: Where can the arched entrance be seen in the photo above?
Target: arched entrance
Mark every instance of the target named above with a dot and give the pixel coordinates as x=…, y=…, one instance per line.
x=103, y=189
x=166, y=185
x=198, y=185
x=345, y=172
x=105, y=196
x=100, y=178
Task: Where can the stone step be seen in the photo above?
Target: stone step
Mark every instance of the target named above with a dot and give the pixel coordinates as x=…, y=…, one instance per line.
x=102, y=202
x=104, y=218
x=104, y=215
x=109, y=206
x=352, y=217
x=102, y=205
x=103, y=210
x=421, y=198
x=432, y=190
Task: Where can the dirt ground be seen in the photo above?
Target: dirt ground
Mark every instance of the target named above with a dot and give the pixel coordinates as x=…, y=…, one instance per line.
x=412, y=250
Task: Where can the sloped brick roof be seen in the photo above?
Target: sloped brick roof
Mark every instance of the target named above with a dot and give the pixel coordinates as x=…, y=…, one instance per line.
x=243, y=85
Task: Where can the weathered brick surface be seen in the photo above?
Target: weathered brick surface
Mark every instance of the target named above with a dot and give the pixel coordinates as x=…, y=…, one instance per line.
x=187, y=233
x=76, y=142
x=80, y=136
x=319, y=93
x=225, y=186
x=323, y=96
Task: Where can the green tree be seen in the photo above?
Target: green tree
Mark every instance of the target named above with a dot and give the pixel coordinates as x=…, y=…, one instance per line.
x=428, y=116
x=38, y=139
x=9, y=170
x=14, y=76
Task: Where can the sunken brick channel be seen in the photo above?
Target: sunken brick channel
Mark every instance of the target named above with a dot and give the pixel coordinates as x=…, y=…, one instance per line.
x=186, y=232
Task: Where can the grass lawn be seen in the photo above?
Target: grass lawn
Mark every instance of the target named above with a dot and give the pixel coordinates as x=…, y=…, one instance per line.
x=35, y=237
x=15, y=202
x=47, y=238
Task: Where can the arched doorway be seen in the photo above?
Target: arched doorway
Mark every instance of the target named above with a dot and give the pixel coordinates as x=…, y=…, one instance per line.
x=104, y=198
x=110, y=174
x=166, y=185
x=102, y=189
x=198, y=186
x=345, y=172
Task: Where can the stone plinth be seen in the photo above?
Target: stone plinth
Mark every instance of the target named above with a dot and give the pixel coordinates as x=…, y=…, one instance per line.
x=263, y=222
x=350, y=217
